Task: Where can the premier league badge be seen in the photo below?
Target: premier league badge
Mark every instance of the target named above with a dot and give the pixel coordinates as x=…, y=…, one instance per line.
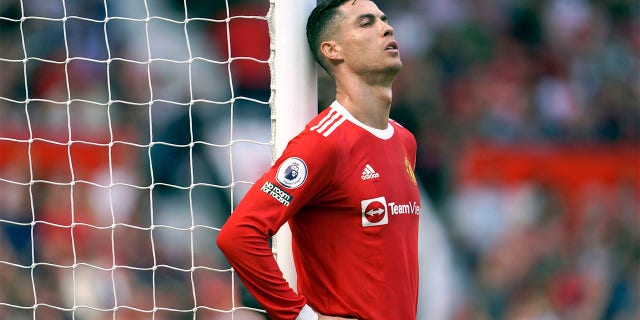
x=292, y=173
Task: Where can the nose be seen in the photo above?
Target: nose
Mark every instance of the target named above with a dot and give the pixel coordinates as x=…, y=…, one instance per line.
x=387, y=30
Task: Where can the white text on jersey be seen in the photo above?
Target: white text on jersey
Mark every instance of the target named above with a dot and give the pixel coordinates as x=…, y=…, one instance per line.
x=407, y=208
x=277, y=193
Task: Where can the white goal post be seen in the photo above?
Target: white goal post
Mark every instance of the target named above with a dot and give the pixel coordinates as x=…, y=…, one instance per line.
x=294, y=97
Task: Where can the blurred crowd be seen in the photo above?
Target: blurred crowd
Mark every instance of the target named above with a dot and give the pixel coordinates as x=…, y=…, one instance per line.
x=125, y=143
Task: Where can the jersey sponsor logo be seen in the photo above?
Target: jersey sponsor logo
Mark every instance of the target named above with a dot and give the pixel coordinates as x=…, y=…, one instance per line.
x=329, y=123
x=369, y=173
x=374, y=212
x=277, y=193
x=404, y=208
x=292, y=173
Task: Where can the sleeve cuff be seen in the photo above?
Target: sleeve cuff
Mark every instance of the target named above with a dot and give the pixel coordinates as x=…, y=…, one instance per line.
x=307, y=314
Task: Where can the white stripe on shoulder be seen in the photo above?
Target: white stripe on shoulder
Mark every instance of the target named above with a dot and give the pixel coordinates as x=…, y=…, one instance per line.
x=334, y=126
x=330, y=125
x=325, y=119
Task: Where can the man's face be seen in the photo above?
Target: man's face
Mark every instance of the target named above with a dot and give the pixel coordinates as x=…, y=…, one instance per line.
x=367, y=40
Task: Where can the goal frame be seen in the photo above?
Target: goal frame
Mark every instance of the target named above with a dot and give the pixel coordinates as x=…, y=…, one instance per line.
x=294, y=96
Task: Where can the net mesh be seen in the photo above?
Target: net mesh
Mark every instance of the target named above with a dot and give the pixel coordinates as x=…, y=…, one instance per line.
x=128, y=132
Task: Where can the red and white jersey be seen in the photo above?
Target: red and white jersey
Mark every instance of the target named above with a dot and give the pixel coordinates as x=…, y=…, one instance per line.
x=350, y=196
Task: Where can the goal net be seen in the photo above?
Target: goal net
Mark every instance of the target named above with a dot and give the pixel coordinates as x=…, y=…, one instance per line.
x=129, y=130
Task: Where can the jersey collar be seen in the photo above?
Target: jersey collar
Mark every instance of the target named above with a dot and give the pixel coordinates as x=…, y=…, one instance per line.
x=384, y=134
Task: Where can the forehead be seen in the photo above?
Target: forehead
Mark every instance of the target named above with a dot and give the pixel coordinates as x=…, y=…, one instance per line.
x=352, y=11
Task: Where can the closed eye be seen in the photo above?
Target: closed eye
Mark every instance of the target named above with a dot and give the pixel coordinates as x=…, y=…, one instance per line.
x=368, y=19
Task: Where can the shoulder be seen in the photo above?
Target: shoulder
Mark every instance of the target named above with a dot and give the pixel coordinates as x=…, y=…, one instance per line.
x=326, y=122
x=402, y=131
x=313, y=145
x=399, y=127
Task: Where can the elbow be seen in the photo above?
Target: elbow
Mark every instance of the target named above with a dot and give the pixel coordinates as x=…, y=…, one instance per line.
x=232, y=238
x=239, y=237
x=225, y=239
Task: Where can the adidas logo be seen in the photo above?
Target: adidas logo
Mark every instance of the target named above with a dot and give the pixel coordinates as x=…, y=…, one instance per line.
x=369, y=173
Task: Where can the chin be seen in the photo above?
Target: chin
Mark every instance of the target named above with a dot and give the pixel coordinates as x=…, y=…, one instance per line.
x=396, y=67
x=399, y=64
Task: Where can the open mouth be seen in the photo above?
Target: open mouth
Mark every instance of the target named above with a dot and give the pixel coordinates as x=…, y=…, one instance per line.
x=391, y=46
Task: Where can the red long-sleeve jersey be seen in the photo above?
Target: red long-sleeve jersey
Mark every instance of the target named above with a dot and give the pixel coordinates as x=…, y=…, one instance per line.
x=350, y=196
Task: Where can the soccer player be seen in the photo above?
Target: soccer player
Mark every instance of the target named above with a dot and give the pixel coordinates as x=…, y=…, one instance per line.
x=345, y=184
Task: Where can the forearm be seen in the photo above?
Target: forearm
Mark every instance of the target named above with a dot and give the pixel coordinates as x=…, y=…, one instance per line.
x=248, y=251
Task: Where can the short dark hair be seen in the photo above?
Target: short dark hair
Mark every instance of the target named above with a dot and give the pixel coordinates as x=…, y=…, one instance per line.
x=320, y=18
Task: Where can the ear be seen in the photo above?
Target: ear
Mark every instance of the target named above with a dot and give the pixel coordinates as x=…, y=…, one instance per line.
x=331, y=50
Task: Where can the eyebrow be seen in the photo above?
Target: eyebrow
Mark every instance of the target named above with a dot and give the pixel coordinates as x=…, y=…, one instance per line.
x=371, y=16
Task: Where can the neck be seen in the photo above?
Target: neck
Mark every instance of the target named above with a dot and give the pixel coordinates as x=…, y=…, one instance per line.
x=367, y=101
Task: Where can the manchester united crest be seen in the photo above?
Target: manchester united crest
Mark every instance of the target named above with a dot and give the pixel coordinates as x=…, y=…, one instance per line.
x=409, y=169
